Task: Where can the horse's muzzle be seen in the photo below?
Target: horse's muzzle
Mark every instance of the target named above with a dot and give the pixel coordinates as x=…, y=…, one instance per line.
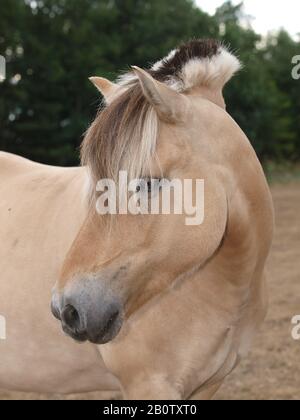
x=85, y=313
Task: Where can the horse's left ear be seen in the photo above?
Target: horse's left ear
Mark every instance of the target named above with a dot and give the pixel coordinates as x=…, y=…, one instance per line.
x=105, y=87
x=170, y=105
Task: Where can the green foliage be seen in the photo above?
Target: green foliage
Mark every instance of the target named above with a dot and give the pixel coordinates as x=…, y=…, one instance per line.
x=55, y=45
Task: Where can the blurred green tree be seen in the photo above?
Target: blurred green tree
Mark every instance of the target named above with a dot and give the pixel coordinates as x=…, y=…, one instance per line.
x=278, y=53
x=53, y=46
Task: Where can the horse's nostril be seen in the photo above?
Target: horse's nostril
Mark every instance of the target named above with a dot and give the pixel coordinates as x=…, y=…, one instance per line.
x=71, y=318
x=86, y=319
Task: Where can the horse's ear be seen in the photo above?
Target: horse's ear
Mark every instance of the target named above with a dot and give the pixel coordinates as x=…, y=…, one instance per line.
x=105, y=87
x=170, y=105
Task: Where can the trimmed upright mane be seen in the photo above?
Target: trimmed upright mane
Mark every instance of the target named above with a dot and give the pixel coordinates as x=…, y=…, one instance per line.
x=124, y=133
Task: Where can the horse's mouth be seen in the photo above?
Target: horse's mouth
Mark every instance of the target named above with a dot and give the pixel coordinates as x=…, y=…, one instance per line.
x=79, y=337
x=100, y=339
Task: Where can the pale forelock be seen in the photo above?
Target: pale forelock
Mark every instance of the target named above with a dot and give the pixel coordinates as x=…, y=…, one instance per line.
x=122, y=137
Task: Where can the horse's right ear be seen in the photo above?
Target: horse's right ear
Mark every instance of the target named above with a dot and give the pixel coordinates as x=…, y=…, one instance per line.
x=170, y=105
x=105, y=87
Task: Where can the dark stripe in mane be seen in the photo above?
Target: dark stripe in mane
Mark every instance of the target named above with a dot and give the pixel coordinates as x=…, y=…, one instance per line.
x=197, y=48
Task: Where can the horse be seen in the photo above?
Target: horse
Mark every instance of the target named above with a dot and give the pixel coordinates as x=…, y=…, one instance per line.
x=162, y=310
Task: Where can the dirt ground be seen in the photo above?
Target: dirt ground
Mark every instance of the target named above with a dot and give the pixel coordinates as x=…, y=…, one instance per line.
x=272, y=369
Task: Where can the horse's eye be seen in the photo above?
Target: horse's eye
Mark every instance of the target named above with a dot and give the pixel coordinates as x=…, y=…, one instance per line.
x=145, y=185
x=149, y=186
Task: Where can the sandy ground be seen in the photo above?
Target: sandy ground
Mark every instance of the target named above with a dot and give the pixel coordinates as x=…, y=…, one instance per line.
x=272, y=369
